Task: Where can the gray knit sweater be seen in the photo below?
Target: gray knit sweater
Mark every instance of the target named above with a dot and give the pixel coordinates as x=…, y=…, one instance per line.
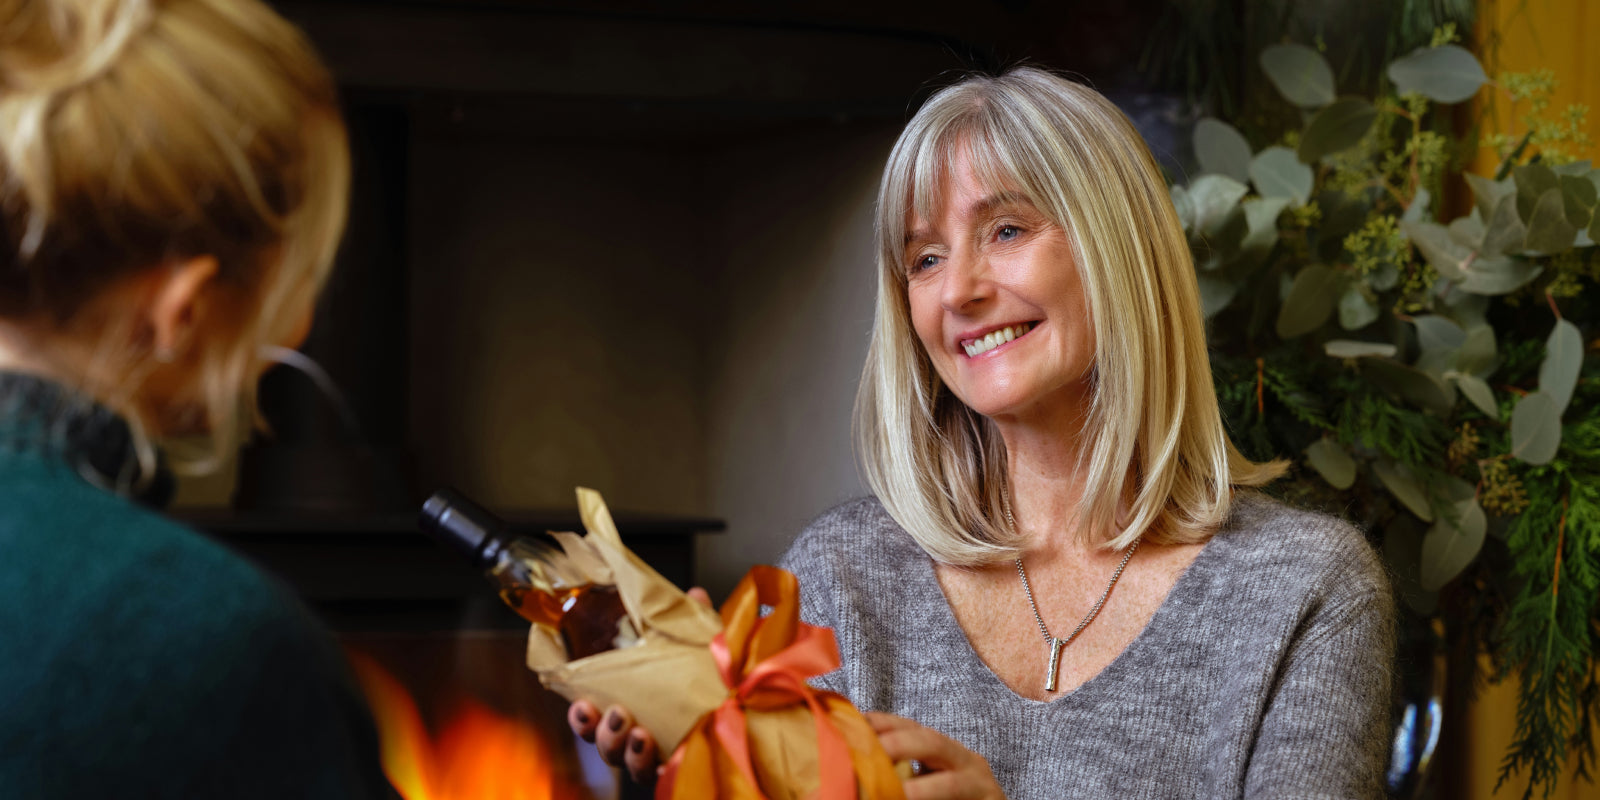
x=1265, y=674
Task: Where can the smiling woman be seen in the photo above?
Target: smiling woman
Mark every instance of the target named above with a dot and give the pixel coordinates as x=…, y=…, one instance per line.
x=1037, y=421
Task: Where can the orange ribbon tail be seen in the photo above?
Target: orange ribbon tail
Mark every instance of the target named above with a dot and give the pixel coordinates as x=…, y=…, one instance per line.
x=765, y=662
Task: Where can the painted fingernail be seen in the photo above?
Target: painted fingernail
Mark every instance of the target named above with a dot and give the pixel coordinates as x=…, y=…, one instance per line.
x=638, y=745
x=582, y=717
x=614, y=722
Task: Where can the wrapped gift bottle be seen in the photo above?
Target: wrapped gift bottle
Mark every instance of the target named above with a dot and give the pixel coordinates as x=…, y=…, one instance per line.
x=536, y=579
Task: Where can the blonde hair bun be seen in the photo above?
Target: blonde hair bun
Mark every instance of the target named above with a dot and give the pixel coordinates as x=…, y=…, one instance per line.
x=134, y=133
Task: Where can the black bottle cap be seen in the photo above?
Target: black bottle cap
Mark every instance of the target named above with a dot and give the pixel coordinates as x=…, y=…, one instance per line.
x=464, y=526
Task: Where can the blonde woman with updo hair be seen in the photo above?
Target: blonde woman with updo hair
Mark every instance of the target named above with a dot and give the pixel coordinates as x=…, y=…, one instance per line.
x=1065, y=585
x=173, y=183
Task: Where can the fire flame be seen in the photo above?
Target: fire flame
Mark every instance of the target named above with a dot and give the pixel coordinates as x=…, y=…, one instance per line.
x=478, y=754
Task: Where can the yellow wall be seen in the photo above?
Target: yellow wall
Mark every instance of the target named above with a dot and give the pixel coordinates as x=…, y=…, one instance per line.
x=1523, y=35
x=1492, y=720
x=1518, y=36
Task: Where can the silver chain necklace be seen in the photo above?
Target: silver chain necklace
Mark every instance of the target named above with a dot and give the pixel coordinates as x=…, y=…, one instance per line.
x=1057, y=644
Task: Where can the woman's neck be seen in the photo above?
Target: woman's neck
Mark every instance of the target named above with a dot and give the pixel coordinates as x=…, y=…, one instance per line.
x=1046, y=455
x=21, y=350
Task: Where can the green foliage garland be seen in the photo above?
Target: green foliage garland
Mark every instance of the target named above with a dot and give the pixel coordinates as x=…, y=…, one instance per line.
x=1440, y=378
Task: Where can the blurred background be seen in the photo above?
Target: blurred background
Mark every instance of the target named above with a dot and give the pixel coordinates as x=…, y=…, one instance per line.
x=628, y=245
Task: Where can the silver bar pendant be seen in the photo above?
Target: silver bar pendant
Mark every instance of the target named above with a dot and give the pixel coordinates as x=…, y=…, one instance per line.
x=1055, y=661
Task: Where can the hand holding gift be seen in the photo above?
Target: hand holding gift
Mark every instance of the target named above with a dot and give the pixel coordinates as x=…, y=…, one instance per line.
x=726, y=696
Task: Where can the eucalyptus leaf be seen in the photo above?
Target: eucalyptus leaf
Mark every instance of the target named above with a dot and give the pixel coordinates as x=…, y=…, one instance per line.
x=1578, y=168
x=1549, y=231
x=1446, y=74
x=1299, y=73
x=1277, y=172
x=1578, y=196
x=1532, y=180
x=1332, y=463
x=1385, y=277
x=1184, y=206
x=1536, y=428
x=1563, y=358
x=1487, y=193
x=1215, y=294
x=1438, y=333
x=1261, y=215
x=1498, y=275
x=1222, y=149
x=1356, y=311
x=1415, y=386
x=1397, y=478
x=1479, y=393
x=1436, y=244
x=1505, y=232
x=1477, y=355
x=1468, y=231
x=1451, y=544
x=1214, y=197
x=1418, y=209
x=1310, y=301
x=1350, y=348
x=1435, y=363
x=1337, y=127
x=1467, y=309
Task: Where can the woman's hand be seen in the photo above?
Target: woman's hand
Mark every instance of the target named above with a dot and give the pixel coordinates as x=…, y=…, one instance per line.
x=620, y=742
x=949, y=770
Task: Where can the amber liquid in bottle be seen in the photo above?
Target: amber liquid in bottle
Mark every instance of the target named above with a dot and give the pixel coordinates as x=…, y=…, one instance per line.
x=535, y=579
x=591, y=618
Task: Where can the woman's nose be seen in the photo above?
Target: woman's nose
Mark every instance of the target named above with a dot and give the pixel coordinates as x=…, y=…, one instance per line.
x=966, y=282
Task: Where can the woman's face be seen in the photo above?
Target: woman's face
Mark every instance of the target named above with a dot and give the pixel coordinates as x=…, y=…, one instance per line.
x=997, y=302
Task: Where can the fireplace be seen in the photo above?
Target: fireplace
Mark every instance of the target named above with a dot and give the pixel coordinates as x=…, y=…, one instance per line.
x=439, y=656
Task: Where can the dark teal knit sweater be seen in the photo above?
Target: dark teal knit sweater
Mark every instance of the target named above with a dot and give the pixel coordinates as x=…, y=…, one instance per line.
x=137, y=658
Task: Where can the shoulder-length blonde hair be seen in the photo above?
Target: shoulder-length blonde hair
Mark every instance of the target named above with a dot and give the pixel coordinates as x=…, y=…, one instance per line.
x=938, y=467
x=139, y=133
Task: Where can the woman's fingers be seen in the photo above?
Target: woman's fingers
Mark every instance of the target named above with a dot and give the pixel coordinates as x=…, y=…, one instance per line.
x=611, y=739
x=641, y=757
x=905, y=740
x=700, y=596
x=618, y=740
x=583, y=718
x=951, y=771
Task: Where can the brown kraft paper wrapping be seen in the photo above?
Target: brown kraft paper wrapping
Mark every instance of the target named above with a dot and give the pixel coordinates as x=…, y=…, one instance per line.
x=669, y=680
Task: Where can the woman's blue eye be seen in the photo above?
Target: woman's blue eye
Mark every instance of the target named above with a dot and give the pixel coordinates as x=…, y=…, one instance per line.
x=924, y=262
x=1008, y=233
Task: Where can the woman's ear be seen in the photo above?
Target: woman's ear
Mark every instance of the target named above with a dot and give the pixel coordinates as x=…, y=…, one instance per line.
x=174, y=299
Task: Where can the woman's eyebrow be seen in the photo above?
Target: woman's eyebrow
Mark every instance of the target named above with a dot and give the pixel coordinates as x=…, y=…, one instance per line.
x=998, y=200
x=984, y=205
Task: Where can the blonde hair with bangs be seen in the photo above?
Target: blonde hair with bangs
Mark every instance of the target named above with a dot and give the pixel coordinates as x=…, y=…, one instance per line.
x=140, y=133
x=938, y=467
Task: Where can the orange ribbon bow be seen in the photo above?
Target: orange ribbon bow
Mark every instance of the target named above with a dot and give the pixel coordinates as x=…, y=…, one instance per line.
x=765, y=662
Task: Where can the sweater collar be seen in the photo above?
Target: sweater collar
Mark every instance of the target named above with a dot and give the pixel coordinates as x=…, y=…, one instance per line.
x=41, y=417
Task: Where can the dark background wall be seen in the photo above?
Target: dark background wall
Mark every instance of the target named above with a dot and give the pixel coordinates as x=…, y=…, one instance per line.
x=625, y=245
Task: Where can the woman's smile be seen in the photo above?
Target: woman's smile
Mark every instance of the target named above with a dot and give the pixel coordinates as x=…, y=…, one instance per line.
x=996, y=339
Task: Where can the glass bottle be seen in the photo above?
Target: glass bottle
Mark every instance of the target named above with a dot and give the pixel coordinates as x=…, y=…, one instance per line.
x=534, y=578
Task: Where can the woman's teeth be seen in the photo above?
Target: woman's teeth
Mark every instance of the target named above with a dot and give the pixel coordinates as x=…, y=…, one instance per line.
x=978, y=347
